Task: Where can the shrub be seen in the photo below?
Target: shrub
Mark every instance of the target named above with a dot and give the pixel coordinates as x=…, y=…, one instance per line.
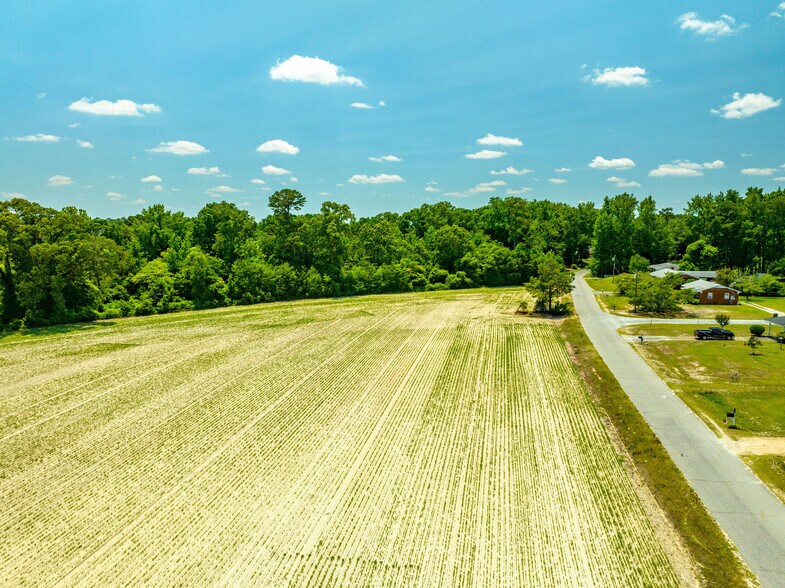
x=757, y=330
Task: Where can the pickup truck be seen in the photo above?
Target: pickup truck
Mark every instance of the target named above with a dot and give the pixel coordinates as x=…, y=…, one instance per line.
x=713, y=333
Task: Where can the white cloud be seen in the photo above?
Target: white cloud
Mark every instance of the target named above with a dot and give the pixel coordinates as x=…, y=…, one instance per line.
x=58, y=180
x=377, y=179
x=275, y=171
x=518, y=192
x=115, y=196
x=486, y=187
x=747, y=105
x=362, y=106
x=158, y=188
x=557, y=181
x=510, y=171
x=311, y=70
x=562, y=170
x=486, y=154
x=224, y=190
x=278, y=146
x=758, y=171
x=722, y=27
x=293, y=180
x=37, y=138
x=258, y=181
x=678, y=169
x=10, y=195
x=600, y=162
x=780, y=11
x=382, y=103
x=490, y=139
x=455, y=194
x=746, y=154
x=74, y=125
x=152, y=179
x=41, y=94
x=84, y=144
x=204, y=171
x=118, y=108
x=432, y=189
x=139, y=201
x=716, y=164
x=618, y=76
x=385, y=158
x=179, y=148
x=782, y=179
x=623, y=183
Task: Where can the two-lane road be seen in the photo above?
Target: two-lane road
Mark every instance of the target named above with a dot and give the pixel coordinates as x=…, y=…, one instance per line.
x=743, y=506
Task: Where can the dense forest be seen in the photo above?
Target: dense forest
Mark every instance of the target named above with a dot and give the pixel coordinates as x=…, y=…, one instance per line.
x=59, y=266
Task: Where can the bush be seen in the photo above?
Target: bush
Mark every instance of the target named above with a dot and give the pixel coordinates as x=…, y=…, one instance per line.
x=757, y=330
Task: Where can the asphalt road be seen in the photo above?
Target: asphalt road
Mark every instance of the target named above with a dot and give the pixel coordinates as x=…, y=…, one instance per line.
x=743, y=506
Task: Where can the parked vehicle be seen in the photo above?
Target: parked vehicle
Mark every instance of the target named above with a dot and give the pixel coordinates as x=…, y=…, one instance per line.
x=713, y=333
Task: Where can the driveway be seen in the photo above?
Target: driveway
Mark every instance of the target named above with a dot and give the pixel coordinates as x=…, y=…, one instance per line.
x=743, y=506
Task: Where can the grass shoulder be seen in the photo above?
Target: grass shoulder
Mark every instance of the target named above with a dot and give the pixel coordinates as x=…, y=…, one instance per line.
x=770, y=469
x=716, y=558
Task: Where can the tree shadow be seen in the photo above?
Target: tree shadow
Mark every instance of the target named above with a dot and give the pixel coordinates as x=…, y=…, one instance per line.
x=58, y=329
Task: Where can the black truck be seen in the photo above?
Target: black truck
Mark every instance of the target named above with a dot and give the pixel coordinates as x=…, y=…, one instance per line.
x=713, y=333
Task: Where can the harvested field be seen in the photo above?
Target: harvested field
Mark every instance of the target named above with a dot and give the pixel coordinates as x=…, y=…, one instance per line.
x=409, y=440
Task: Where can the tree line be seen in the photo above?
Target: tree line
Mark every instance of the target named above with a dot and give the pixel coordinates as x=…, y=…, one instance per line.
x=59, y=266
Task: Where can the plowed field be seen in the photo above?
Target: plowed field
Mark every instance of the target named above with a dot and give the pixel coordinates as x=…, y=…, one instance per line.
x=411, y=440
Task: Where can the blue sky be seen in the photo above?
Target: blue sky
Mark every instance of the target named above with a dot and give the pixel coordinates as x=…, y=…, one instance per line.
x=200, y=99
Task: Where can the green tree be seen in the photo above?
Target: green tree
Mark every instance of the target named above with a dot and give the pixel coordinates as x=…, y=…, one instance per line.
x=283, y=202
x=722, y=319
x=553, y=280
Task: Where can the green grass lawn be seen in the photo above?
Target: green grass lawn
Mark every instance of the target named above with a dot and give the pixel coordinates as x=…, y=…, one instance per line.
x=774, y=302
x=770, y=469
x=700, y=371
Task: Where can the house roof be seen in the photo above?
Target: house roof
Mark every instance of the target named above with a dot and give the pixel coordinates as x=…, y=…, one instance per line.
x=667, y=265
x=701, y=285
x=696, y=274
x=776, y=320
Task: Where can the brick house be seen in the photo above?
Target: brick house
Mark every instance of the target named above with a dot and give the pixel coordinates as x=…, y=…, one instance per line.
x=713, y=293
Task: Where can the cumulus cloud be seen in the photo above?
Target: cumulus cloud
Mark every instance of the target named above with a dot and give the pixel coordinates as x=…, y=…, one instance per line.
x=747, y=105
x=780, y=11
x=58, y=180
x=780, y=179
x=158, y=188
x=224, y=190
x=432, y=189
x=623, y=183
x=377, y=179
x=362, y=106
x=677, y=168
x=385, y=158
x=37, y=138
x=716, y=164
x=758, y=171
x=108, y=108
x=711, y=29
x=510, y=171
x=11, y=195
x=115, y=196
x=490, y=139
x=74, y=125
x=486, y=187
x=518, y=192
x=293, y=180
x=455, y=195
x=204, y=171
x=600, y=162
x=486, y=154
x=258, y=181
x=275, y=171
x=139, y=201
x=618, y=76
x=179, y=148
x=562, y=170
x=152, y=179
x=311, y=70
x=557, y=181
x=278, y=146
x=84, y=144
